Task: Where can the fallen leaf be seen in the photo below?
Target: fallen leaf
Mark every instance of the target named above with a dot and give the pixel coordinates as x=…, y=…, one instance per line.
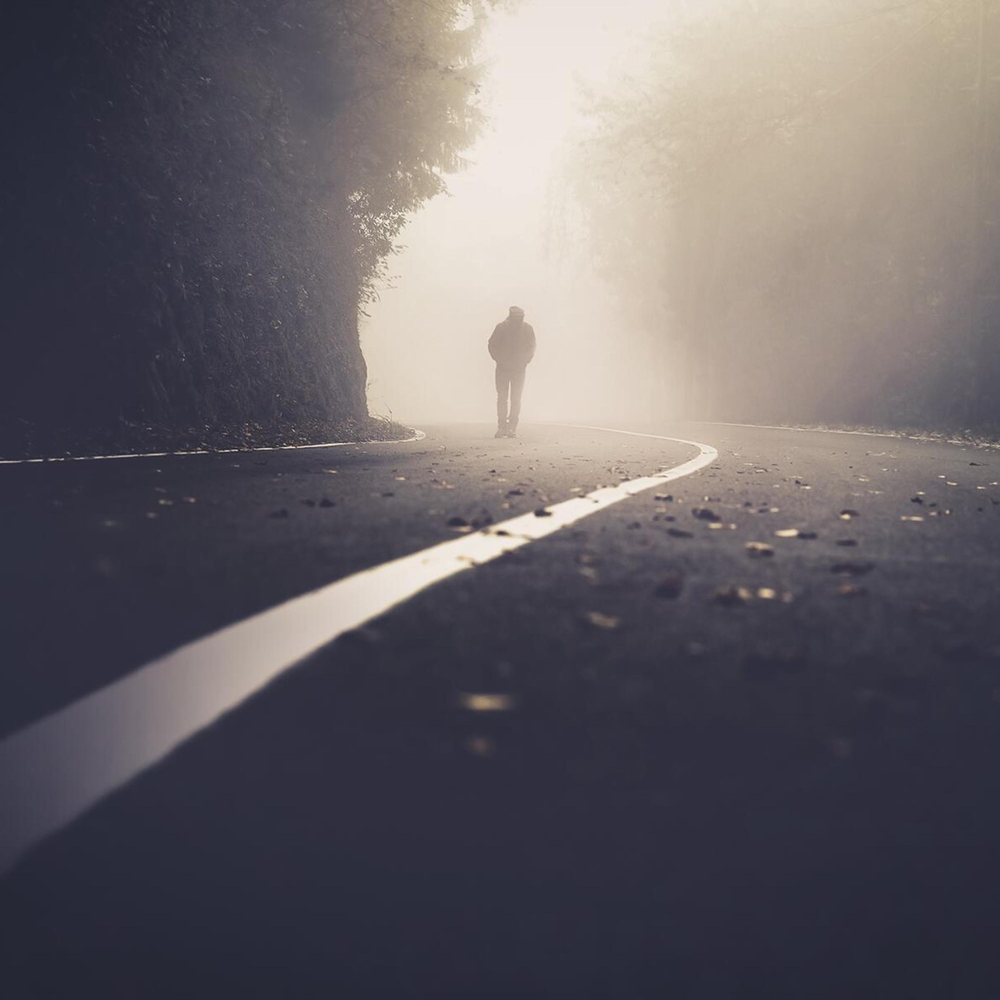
x=732, y=596
x=846, y=515
x=704, y=514
x=911, y=517
x=679, y=533
x=795, y=533
x=599, y=620
x=542, y=512
x=852, y=590
x=457, y=522
x=482, y=702
x=847, y=543
x=759, y=550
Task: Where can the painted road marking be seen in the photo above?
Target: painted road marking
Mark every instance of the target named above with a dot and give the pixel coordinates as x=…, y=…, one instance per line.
x=417, y=436
x=55, y=769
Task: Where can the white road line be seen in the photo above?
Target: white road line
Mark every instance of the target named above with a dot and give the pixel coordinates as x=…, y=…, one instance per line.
x=417, y=436
x=55, y=769
x=900, y=436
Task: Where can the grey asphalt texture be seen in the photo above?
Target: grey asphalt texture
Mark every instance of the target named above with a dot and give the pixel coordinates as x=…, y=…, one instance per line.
x=722, y=773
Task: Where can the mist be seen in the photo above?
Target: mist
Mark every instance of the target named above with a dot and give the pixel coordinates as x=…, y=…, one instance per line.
x=500, y=238
x=767, y=211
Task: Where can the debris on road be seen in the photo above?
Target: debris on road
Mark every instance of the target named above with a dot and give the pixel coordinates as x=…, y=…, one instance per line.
x=732, y=596
x=759, y=550
x=852, y=568
x=603, y=621
x=474, y=701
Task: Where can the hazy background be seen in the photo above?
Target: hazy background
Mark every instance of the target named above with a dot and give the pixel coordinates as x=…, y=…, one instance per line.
x=499, y=239
x=761, y=210
x=226, y=224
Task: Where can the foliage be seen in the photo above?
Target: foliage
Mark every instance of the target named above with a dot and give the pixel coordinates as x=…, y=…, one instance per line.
x=802, y=200
x=198, y=196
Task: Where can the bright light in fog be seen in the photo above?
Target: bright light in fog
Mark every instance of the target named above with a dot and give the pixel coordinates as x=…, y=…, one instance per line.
x=472, y=254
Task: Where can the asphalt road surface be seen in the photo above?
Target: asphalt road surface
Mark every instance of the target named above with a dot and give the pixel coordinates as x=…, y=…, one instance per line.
x=640, y=757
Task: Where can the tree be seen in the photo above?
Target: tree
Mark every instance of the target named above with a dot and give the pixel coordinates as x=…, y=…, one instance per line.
x=792, y=188
x=198, y=197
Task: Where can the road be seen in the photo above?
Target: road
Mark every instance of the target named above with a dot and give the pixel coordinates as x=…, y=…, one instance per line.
x=663, y=751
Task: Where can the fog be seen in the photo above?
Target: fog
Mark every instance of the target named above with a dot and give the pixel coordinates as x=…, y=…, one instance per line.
x=499, y=239
x=770, y=211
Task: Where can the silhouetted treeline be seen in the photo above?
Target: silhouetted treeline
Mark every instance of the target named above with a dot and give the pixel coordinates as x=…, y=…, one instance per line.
x=800, y=203
x=195, y=197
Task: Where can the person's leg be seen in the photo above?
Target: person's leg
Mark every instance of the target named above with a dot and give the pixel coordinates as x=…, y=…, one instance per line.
x=503, y=385
x=516, y=387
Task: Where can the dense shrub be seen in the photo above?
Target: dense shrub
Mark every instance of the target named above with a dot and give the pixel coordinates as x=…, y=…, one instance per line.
x=195, y=199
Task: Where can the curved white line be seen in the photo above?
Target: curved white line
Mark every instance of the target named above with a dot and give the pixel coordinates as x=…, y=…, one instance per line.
x=893, y=435
x=418, y=435
x=55, y=769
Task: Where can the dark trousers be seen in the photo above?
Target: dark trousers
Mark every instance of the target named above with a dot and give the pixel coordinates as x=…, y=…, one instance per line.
x=509, y=380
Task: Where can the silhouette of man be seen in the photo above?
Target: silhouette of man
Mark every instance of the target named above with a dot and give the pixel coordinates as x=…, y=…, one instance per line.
x=511, y=346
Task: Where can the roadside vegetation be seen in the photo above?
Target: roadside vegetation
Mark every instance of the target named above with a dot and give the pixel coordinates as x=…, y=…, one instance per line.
x=799, y=204
x=197, y=199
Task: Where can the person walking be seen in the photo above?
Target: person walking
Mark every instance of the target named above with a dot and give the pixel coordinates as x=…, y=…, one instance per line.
x=512, y=346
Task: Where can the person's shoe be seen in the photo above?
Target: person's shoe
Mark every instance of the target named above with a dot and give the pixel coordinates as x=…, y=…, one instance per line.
x=511, y=432
x=502, y=432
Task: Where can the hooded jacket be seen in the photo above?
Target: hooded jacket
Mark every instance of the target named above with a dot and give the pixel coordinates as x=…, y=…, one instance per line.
x=512, y=345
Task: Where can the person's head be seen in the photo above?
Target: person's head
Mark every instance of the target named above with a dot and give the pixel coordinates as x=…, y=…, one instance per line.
x=516, y=315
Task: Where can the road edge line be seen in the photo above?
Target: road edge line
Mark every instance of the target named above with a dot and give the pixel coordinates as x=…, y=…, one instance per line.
x=54, y=770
